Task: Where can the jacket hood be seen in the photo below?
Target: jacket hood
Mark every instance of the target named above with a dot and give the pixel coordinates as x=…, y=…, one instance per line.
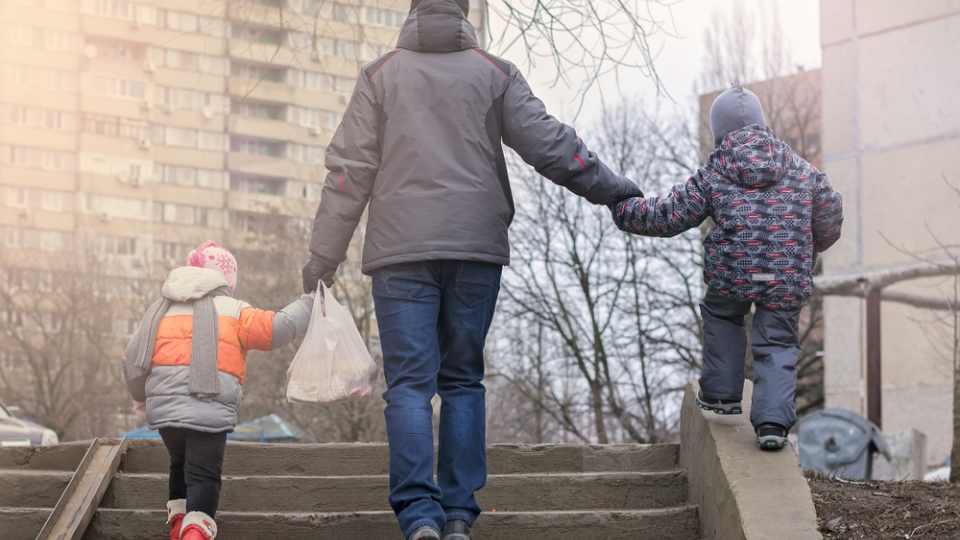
x=753, y=157
x=438, y=26
x=189, y=283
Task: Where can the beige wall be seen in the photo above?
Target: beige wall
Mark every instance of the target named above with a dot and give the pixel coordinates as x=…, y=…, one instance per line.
x=891, y=134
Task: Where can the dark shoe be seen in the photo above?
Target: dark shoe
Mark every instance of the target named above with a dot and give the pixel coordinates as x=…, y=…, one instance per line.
x=425, y=533
x=771, y=436
x=719, y=406
x=457, y=529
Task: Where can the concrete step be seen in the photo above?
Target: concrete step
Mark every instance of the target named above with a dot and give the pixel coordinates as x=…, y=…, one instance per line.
x=32, y=489
x=61, y=457
x=514, y=493
x=22, y=523
x=150, y=456
x=660, y=524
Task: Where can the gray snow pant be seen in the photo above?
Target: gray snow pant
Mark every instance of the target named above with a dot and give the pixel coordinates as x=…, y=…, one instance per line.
x=776, y=350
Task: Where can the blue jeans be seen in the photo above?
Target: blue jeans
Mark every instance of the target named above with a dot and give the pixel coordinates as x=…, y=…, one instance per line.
x=433, y=318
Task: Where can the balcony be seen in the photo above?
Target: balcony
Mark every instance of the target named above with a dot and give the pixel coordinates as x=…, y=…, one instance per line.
x=261, y=90
x=263, y=128
x=113, y=29
x=265, y=204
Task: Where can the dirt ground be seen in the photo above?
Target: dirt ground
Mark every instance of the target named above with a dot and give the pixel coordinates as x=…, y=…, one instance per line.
x=848, y=510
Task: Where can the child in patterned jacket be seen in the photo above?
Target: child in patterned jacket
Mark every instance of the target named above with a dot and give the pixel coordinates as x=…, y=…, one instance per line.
x=773, y=212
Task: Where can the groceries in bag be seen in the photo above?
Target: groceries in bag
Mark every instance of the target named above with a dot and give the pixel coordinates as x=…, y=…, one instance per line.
x=333, y=363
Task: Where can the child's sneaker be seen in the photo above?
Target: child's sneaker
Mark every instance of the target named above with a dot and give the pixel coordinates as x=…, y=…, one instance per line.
x=771, y=436
x=198, y=526
x=719, y=406
x=176, y=509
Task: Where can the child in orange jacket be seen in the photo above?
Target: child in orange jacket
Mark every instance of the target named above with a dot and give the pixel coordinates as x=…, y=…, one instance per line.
x=185, y=366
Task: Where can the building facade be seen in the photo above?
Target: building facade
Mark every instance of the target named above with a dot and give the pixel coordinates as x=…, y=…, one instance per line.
x=132, y=131
x=891, y=137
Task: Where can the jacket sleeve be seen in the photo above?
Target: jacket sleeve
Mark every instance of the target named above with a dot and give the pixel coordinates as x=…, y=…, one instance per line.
x=137, y=386
x=827, y=214
x=554, y=149
x=353, y=159
x=265, y=330
x=685, y=208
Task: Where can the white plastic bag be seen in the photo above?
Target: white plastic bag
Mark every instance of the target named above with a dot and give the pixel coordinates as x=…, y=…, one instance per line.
x=333, y=363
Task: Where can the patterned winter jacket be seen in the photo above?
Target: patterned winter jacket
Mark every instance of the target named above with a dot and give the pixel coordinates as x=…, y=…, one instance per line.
x=242, y=328
x=773, y=211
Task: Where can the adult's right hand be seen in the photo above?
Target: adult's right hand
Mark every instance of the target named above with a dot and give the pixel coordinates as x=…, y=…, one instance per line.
x=315, y=271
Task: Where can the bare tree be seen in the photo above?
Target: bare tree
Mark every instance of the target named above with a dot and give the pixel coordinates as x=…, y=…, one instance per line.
x=615, y=319
x=66, y=318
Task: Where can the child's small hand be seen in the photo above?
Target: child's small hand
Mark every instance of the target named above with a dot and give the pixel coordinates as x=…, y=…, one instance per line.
x=140, y=407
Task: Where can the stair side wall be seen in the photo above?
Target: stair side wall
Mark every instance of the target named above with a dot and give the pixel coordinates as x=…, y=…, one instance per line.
x=742, y=493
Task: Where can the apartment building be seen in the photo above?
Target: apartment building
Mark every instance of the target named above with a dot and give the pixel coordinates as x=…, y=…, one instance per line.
x=150, y=126
x=134, y=130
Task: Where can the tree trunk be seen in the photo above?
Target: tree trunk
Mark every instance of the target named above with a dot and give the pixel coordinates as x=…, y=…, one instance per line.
x=596, y=391
x=955, y=452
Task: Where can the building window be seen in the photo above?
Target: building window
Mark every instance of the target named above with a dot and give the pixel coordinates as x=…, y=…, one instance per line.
x=14, y=237
x=17, y=197
x=51, y=201
x=256, y=72
x=188, y=22
x=57, y=41
x=61, y=81
x=121, y=207
x=116, y=245
x=113, y=87
x=321, y=82
x=170, y=252
x=19, y=35
x=256, y=34
x=38, y=118
x=385, y=17
x=51, y=241
x=180, y=98
x=254, y=184
x=188, y=61
x=305, y=153
x=257, y=147
x=259, y=110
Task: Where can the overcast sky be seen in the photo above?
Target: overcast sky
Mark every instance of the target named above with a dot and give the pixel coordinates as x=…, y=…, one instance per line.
x=680, y=55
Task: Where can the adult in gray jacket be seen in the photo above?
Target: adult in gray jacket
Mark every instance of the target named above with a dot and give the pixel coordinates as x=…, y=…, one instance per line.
x=421, y=142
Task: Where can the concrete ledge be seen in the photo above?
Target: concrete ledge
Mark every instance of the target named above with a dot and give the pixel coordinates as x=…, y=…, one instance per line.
x=742, y=493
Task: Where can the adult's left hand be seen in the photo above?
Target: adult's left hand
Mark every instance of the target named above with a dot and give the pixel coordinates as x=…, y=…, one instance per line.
x=315, y=271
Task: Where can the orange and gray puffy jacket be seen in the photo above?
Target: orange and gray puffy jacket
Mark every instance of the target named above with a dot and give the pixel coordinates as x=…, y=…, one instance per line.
x=241, y=327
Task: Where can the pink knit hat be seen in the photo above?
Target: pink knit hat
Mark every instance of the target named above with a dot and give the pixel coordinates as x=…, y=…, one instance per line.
x=211, y=256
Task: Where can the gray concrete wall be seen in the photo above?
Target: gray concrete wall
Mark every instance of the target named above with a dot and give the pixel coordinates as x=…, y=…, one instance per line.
x=891, y=136
x=742, y=493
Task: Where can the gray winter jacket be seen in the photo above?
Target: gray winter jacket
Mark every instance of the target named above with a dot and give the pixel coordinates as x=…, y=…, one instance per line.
x=421, y=142
x=165, y=388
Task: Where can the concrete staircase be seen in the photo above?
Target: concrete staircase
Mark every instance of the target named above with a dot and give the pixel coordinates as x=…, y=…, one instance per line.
x=293, y=492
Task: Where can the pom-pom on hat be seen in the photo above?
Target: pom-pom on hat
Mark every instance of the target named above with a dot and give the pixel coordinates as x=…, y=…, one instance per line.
x=213, y=257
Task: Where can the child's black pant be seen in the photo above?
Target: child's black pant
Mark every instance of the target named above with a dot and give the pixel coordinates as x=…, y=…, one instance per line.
x=196, y=464
x=775, y=341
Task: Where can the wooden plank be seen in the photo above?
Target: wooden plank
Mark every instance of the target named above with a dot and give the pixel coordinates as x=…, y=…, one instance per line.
x=72, y=515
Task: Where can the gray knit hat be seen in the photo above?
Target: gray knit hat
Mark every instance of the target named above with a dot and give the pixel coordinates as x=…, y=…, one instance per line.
x=734, y=109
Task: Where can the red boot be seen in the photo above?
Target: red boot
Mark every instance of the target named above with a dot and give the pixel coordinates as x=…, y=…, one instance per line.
x=176, y=509
x=198, y=526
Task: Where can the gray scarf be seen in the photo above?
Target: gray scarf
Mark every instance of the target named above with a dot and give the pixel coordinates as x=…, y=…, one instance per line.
x=204, y=375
